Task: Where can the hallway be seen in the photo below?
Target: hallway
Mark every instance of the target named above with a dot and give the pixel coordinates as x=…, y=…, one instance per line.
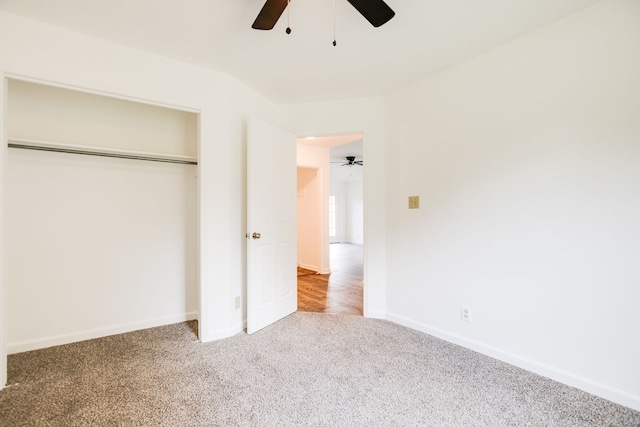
x=339, y=292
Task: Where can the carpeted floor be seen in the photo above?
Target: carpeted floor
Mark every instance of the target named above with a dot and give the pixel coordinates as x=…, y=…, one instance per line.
x=307, y=369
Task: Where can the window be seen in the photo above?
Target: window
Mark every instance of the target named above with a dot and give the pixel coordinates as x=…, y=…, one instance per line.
x=332, y=216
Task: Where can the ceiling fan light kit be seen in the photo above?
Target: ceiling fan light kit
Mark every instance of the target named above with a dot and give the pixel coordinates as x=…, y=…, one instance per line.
x=377, y=12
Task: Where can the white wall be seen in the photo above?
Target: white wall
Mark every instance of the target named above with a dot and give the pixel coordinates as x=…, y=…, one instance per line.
x=338, y=189
x=355, y=212
x=97, y=246
x=309, y=219
x=41, y=112
x=346, y=184
x=53, y=55
x=350, y=116
x=317, y=158
x=526, y=160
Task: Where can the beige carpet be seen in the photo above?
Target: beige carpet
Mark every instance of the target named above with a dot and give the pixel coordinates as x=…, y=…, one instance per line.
x=307, y=369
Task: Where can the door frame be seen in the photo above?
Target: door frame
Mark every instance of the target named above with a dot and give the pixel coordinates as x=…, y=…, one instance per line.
x=321, y=161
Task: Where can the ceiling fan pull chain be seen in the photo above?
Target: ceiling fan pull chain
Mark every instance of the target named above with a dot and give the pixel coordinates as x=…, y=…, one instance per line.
x=334, y=22
x=288, y=30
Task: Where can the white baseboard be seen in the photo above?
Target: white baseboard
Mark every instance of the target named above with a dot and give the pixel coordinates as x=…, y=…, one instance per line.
x=239, y=327
x=226, y=333
x=308, y=267
x=590, y=386
x=314, y=268
x=377, y=315
x=62, y=339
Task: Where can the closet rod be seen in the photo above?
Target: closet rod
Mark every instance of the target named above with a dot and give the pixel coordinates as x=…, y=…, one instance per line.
x=90, y=151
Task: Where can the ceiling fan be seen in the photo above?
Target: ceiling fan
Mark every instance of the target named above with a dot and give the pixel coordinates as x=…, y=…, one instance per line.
x=377, y=12
x=350, y=161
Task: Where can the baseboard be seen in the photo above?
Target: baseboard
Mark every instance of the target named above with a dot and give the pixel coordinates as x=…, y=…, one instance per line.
x=239, y=327
x=41, y=343
x=377, y=315
x=590, y=386
x=226, y=333
x=308, y=267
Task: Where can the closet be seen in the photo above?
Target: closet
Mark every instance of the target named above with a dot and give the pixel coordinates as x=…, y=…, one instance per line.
x=101, y=215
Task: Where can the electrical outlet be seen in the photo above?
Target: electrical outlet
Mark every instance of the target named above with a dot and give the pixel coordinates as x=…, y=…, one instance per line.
x=237, y=303
x=465, y=314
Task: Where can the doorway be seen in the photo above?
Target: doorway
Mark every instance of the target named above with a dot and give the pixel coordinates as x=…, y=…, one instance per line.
x=338, y=287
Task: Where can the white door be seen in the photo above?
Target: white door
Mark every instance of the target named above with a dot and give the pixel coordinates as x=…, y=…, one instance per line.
x=272, y=289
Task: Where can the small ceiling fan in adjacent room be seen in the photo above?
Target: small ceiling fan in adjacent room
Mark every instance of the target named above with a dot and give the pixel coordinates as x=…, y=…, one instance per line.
x=350, y=161
x=377, y=12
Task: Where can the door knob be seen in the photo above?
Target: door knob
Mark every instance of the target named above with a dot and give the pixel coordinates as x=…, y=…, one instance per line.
x=256, y=236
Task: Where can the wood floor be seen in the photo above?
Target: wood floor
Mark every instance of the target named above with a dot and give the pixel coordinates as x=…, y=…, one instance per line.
x=339, y=292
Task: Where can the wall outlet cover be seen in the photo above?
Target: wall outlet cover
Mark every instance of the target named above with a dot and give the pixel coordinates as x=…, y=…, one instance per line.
x=414, y=202
x=465, y=313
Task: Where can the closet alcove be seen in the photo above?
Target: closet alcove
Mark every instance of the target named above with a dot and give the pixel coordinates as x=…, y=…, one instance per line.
x=101, y=215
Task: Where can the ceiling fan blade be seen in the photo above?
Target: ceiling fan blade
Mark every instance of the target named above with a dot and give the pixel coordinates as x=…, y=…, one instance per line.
x=269, y=15
x=376, y=11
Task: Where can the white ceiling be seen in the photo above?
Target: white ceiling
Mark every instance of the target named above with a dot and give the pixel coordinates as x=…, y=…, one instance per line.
x=424, y=37
x=339, y=153
x=340, y=146
x=330, y=141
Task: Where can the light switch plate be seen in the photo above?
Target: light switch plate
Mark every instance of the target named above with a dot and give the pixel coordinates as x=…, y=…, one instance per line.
x=414, y=202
